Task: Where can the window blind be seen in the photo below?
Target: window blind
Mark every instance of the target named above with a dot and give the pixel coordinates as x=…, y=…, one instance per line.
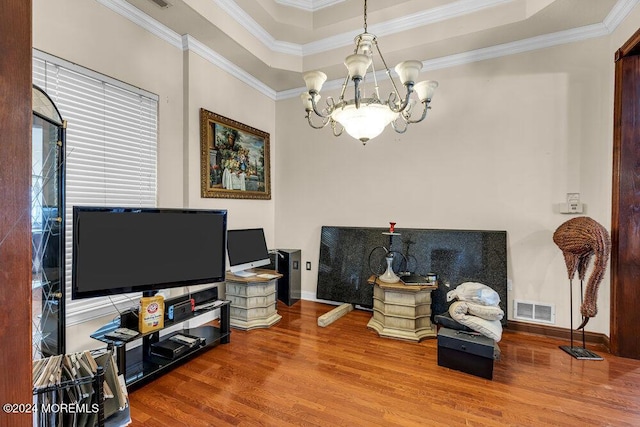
x=111, y=154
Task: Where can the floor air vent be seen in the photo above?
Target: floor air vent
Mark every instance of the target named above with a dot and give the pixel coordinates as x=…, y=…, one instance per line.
x=534, y=311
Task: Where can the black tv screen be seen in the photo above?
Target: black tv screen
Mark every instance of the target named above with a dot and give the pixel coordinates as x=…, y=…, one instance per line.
x=247, y=249
x=120, y=250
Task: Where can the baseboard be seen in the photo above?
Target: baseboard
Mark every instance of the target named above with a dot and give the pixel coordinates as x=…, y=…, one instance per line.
x=592, y=338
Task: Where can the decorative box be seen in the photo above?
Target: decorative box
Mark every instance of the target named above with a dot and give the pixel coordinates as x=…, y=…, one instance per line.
x=468, y=352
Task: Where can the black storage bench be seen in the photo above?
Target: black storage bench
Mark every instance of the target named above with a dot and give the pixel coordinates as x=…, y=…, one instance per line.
x=467, y=352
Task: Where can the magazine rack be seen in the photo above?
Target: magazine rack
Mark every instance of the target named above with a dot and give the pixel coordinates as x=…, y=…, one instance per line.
x=78, y=401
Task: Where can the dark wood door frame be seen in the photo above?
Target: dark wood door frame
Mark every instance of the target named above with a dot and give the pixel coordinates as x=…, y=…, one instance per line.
x=15, y=203
x=625, y=221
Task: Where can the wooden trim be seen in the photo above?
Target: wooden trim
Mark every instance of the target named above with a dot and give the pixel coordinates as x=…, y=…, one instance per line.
x=15, y=218
x=592, y=338
x=615, y=199
x=625, y=202
x=631, y=46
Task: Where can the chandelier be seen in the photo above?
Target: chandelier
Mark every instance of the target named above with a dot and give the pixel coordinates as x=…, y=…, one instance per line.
x=365, y=116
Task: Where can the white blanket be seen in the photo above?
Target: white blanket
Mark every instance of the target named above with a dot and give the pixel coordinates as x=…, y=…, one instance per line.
x=461, y=311
x=474, y=292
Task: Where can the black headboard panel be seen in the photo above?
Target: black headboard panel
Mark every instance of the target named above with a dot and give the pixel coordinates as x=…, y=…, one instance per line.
x=456, y=256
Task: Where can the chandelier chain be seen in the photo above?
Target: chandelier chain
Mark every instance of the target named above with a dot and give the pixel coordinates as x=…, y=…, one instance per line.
x=365, y=16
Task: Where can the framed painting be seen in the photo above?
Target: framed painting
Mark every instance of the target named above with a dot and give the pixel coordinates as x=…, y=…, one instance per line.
x=234, y=159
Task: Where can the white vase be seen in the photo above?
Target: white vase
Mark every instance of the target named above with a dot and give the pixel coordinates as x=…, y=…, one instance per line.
x=389, y=276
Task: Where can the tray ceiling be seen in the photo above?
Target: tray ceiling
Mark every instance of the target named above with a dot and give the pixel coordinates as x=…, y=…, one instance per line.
x=274, y=41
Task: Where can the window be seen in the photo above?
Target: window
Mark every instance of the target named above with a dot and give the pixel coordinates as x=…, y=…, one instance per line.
x=111, y=152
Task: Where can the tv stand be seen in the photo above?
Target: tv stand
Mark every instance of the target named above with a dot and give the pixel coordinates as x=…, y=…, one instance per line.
x=139, y=366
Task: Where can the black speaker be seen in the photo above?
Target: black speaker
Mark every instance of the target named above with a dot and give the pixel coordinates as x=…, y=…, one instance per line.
x=287, y=262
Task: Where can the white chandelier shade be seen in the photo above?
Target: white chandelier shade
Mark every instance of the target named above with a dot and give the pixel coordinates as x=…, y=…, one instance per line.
x=366, y=122
x=357, y=64
x=366, y=118
x=425, y=90
x=314, y=80
x=408, y=71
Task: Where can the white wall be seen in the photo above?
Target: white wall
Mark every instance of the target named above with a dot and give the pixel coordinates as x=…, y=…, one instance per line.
x=505, y=141
x=215, y=90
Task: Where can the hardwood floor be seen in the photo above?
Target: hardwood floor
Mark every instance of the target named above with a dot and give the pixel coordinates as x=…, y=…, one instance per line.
x=298, y=374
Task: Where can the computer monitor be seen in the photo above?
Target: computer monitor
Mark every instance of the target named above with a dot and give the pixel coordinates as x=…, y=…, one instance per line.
x=246, y=249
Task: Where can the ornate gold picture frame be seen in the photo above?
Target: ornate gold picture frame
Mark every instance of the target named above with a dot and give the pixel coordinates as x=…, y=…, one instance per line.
x=234, y=159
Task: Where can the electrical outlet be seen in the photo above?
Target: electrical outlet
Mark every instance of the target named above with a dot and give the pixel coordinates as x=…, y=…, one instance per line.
x=308, y=265
x=509, y=284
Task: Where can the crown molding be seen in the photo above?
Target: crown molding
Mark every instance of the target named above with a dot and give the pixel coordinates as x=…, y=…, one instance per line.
x=309, y=5
x=185, y=42
x=520, y=46
x=405, y=23
x=506, y=49
x=248, y=23
x=437, y=14
x=394, y=26
x=617, y=14
x=143, y=20
x=193, y=45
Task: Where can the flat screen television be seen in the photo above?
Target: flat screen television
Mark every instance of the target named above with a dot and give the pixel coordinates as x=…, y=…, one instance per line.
x=120, y=250
x=247, y=249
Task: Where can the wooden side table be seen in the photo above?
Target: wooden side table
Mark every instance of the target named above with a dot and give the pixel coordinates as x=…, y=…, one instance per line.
x=402, y=311
x=253, y=300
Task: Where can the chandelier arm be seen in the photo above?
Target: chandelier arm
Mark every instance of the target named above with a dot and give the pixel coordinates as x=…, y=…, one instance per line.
x=398, y=129
x=405, y=102
x=376, y=89
x=333, y=127
x=331, y=104
x=391, y=99
x=344, y=86
x=422, y=117
x=313, y=94
x=386, y=67
x=325, y=121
